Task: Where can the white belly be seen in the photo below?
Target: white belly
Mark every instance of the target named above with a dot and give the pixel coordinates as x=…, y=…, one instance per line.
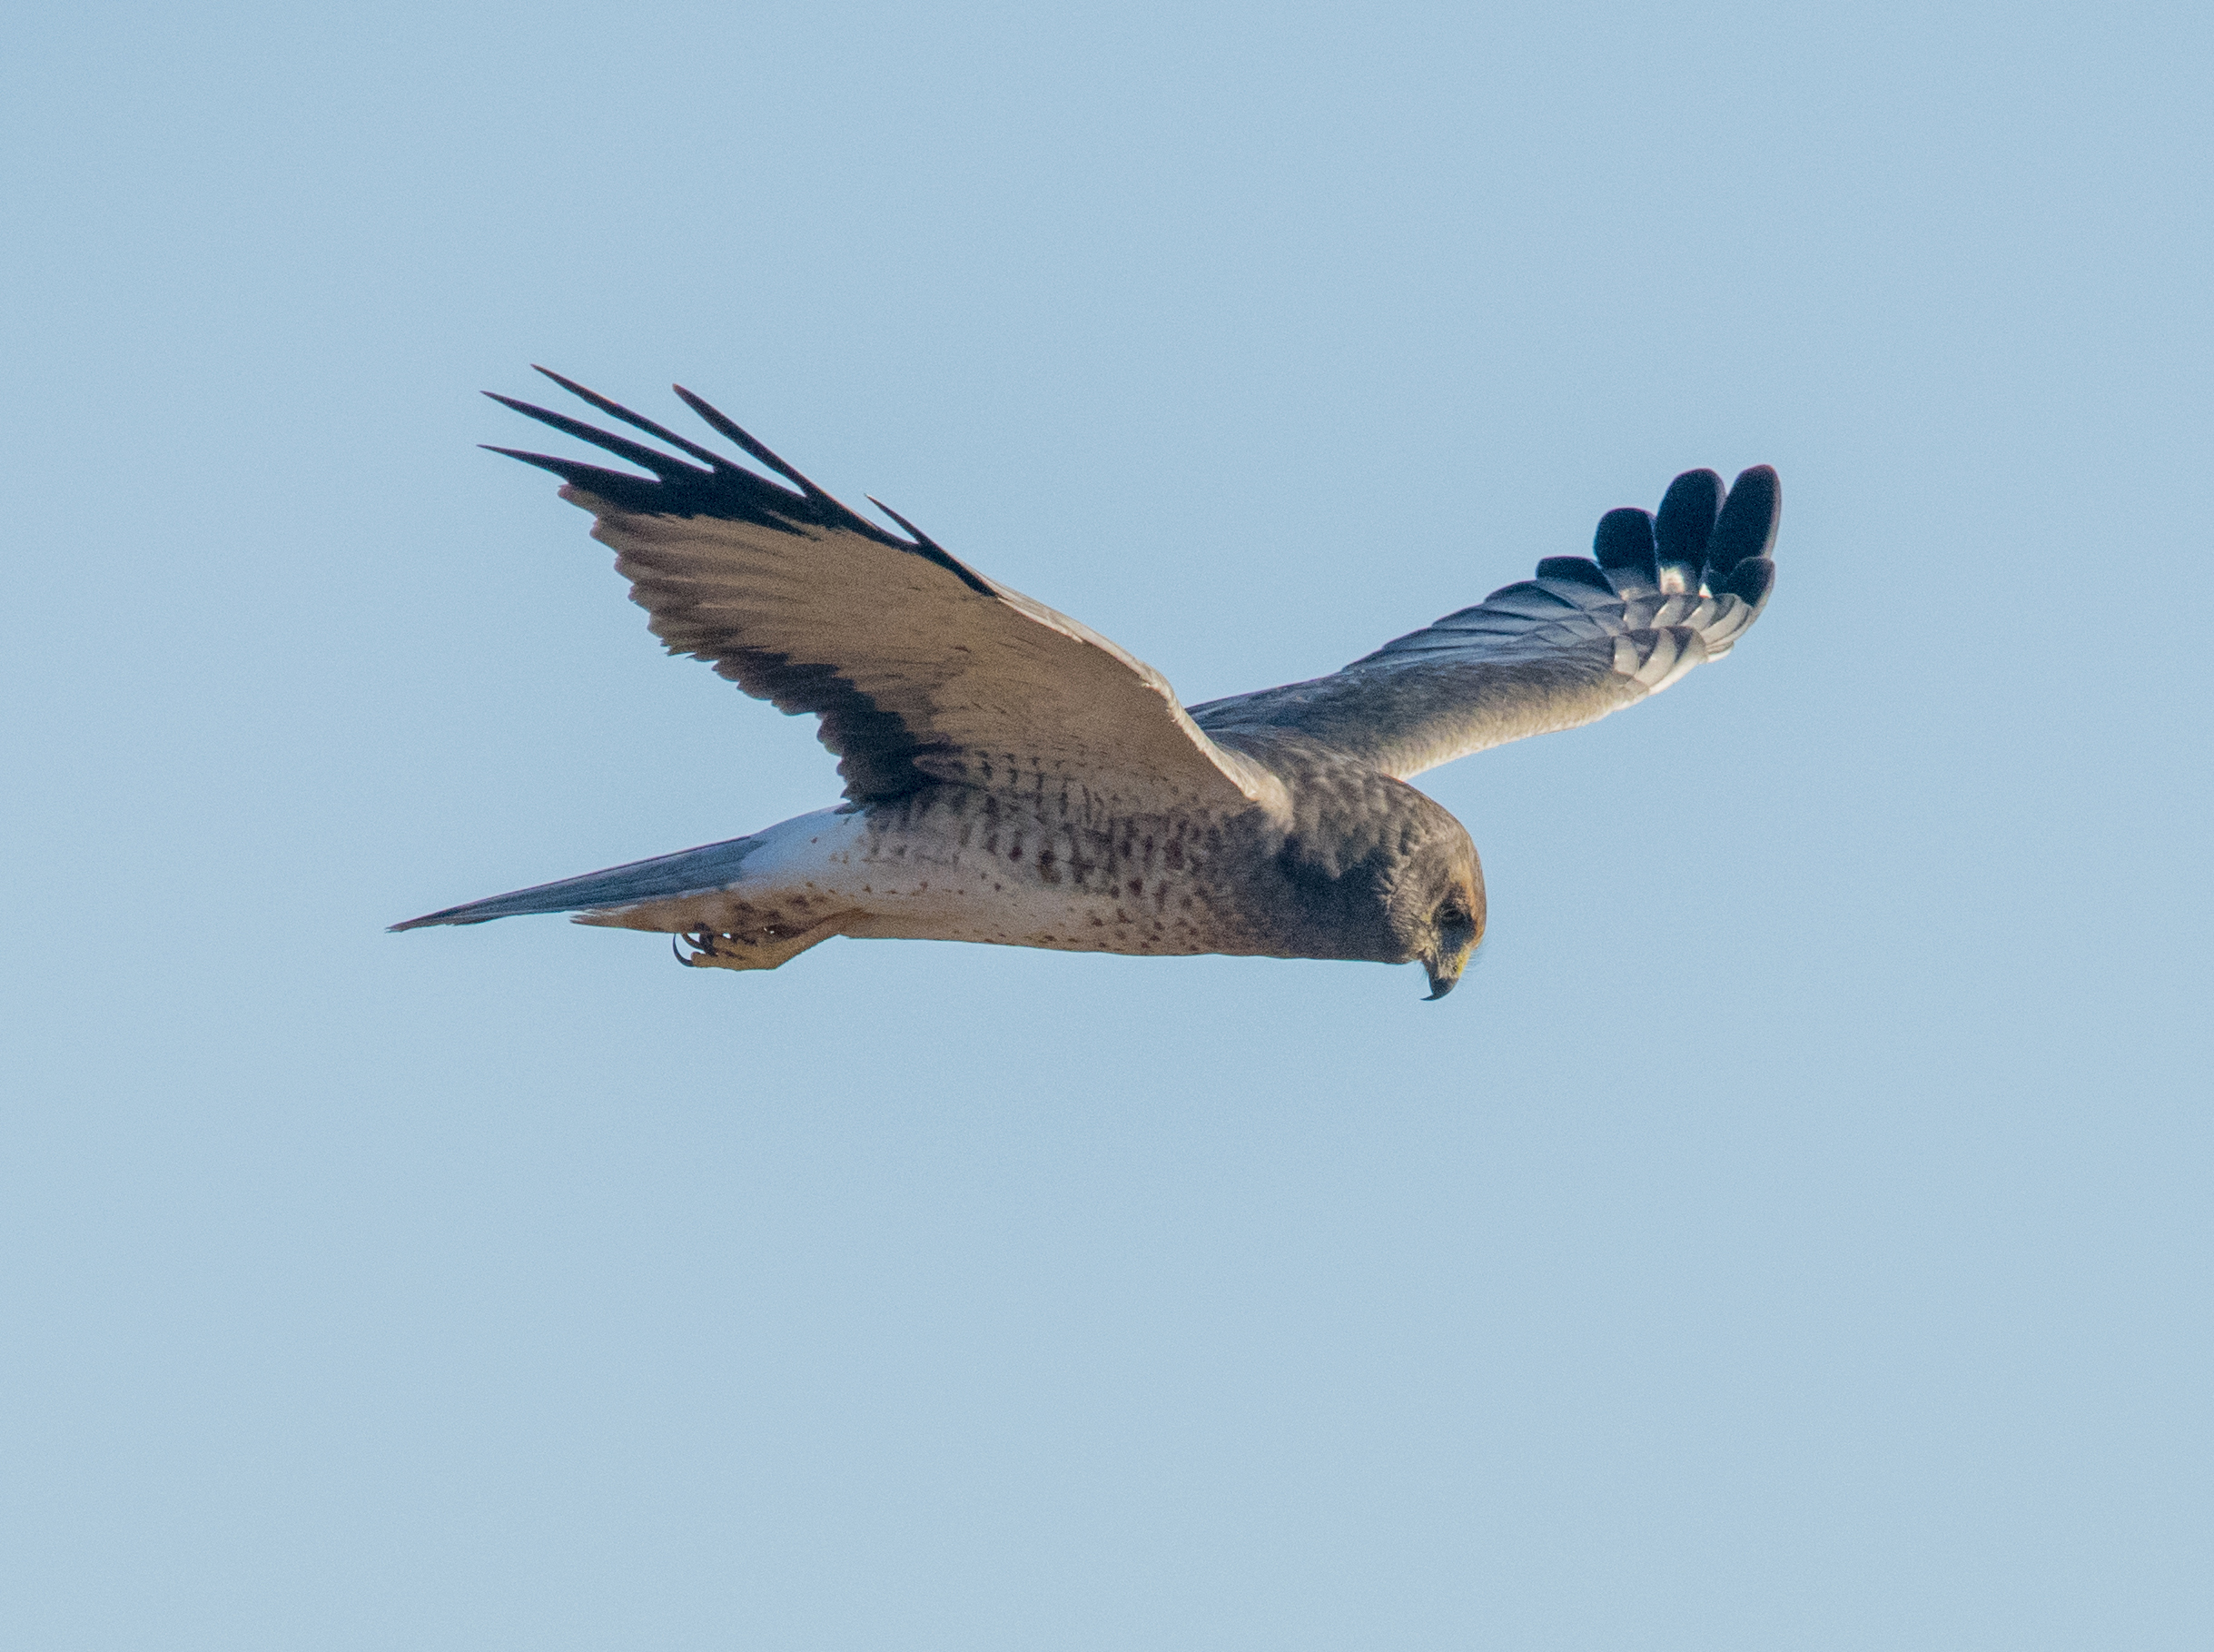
x=954, y=874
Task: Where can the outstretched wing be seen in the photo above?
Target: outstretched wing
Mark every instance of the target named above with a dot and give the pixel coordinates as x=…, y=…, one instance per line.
x=919, y=668
x=1584, y=638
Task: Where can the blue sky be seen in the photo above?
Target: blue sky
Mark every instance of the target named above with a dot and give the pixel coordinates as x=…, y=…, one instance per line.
x=1794, y=1233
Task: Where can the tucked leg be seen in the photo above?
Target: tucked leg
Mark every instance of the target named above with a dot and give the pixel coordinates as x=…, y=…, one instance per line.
x=762, y=948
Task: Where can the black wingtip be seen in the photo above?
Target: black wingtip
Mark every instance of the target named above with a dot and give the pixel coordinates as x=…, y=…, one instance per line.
x=937, y=553
x=716, y=485
x=1749, y=519
x=637, y=421
x=915, y=533
x=1751, y=580
x=725, y=425
x=1694, y=490
x=622, y=447
x=544, y=461
x=1686, y=520
x=628, y=492
x=1575, y=570
x=1623, y=544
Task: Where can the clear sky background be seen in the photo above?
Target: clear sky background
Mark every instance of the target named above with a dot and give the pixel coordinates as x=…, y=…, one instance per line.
x=1794, y=1233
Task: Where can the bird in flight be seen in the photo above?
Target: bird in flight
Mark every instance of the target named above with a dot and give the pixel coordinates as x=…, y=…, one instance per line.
x=1012, y=777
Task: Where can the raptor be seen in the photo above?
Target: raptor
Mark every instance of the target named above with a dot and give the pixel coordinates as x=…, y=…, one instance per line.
x=1011, y=776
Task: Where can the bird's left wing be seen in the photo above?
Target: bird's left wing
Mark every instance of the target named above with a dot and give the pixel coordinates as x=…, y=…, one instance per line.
x=919, y=668
x=1584, y=638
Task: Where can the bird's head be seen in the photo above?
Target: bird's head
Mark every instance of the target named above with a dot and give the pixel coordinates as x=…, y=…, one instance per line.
x=1438, y=909
x=1376, y=870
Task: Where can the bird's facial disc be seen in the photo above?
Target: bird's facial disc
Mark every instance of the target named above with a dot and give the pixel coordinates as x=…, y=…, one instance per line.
x=1458, y=934
x=1436, y=900
x=1456, y=925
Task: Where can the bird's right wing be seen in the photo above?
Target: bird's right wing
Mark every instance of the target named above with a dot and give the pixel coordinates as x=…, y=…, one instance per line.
x=919, y=668
x=1584, y=638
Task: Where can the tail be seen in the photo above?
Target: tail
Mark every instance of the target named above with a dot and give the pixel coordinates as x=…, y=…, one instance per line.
x=689, y=871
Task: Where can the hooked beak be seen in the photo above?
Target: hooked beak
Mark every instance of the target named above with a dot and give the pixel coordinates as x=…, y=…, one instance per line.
x=1445, y=975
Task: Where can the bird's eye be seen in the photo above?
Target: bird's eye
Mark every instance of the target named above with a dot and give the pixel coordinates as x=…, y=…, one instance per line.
x=1452, y=916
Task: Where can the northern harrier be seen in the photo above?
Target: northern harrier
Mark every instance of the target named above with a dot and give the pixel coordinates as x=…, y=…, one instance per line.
x=1015, y=777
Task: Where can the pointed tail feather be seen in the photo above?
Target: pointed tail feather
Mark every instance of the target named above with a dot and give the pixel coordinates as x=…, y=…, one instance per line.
x=711, y=867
